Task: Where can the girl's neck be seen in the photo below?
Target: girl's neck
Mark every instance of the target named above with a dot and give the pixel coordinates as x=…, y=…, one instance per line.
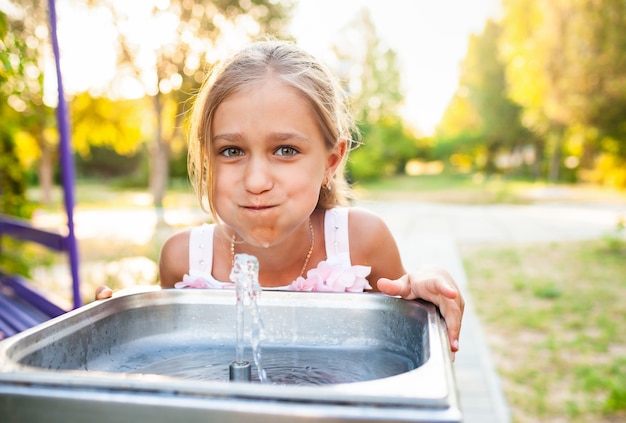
x=282, y=264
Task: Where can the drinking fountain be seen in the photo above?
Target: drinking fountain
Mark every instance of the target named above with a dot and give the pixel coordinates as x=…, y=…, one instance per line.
x=165, y=355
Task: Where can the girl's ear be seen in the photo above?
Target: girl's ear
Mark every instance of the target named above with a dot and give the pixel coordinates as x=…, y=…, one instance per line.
x=336, y=156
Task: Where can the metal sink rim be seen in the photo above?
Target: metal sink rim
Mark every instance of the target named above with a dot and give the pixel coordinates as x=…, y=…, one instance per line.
x=403, y=390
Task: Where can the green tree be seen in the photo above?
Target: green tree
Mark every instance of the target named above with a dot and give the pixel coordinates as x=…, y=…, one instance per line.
x=372, y=75
x=388, y=145
x=103, y=122
x=370, y=69
x=24, y=113
x=481, y=122
x=566, y=63
x=458, y=135
x=483, y=75
x=598, y=82
x=12, y=189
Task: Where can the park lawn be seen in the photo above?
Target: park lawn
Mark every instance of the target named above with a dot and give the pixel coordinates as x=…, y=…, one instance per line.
x=466, y=189
x=95, y=194
x=478, y=189
x=555, y=319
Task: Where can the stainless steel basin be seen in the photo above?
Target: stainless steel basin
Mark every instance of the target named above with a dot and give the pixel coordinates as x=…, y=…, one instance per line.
x=163, y=355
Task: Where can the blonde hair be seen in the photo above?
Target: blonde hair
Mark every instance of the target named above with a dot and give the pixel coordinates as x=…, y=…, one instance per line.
x=296, y=68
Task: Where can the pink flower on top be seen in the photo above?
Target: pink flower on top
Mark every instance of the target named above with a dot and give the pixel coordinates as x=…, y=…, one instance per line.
x=328, y=278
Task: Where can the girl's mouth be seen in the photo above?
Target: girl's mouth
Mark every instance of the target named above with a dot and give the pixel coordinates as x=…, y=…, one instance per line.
x=257, y=208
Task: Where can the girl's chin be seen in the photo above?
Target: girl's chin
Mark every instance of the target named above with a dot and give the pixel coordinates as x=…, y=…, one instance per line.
x=257, y=240
x=259, y=244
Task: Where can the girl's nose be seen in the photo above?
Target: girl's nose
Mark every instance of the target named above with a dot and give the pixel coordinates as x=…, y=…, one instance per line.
x=258, y=176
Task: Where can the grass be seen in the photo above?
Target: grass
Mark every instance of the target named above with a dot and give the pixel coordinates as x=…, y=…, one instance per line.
x=91, y=194
x=445, y=188
x=477, y=189
x=555, y=315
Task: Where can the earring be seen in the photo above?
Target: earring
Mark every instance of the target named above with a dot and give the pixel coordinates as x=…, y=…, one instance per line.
x=326, y=184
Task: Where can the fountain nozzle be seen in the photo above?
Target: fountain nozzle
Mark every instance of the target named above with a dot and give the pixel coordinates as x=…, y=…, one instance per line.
x=240, y=371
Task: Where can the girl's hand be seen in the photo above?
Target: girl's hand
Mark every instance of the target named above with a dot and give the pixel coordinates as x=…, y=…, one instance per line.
x=103, y=292
x=434, y=285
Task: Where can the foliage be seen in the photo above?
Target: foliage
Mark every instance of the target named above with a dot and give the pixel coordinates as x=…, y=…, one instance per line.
x=543, y=93
x=370, y=70
x=483, y=78
x=13, y=200
x=458, y=139
x=102, y=122
x=12, y=179
x=388, y=145
x=185, y=38
x=4, y=52
x=25, y=115
x=372, y=77
x=105, y=162
x=565, y=67
x=481, y=122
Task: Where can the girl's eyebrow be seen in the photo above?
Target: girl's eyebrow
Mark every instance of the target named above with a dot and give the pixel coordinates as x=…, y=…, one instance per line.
x=287, y=136
x=227, y=137
x=276, y=136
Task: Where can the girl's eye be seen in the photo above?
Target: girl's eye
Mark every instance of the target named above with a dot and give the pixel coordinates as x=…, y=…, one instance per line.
x=231, y=152
x=286, y=151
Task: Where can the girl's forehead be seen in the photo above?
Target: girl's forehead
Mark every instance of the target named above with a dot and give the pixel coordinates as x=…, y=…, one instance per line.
x=269, y=104
x=268, y=89
x=269, y=79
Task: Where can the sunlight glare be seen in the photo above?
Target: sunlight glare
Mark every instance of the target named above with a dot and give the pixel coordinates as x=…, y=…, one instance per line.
x=430, y=38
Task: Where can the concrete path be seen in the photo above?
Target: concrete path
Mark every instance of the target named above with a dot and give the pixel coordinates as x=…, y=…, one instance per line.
x=431, y=233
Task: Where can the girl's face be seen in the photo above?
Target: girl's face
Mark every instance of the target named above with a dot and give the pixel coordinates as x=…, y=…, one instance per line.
x=270, y=162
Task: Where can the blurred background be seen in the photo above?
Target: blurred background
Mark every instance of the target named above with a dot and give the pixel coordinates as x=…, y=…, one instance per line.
x=478, y=103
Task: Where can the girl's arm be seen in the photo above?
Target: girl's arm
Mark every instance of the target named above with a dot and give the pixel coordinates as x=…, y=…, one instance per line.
x=174, y=259
x=372, y=244
x=437, y=286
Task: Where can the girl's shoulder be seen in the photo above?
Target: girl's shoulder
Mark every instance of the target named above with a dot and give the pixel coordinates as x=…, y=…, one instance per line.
x=354, y=222
x=369, y=233
x=372, y=243
x=174, y=258
x=361, y=219
x=177, y=241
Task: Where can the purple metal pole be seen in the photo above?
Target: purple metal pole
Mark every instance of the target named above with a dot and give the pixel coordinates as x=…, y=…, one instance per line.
x=67, y=159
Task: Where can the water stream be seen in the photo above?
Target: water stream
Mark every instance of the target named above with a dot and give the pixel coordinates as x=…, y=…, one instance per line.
x=245, y=275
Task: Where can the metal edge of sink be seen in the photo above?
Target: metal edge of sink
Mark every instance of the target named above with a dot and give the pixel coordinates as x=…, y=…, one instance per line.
x=401, y=391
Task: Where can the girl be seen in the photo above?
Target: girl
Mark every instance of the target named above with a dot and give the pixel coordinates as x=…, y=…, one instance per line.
x=269, y=139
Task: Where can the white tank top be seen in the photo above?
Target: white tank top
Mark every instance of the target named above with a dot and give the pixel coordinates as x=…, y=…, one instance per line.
x=201, y=247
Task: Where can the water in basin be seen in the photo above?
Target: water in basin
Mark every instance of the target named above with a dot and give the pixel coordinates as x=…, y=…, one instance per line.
x=283, y=365
x=287, y=364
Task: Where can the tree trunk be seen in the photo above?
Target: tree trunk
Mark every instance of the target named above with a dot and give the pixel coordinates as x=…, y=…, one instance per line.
x=555, y=159
x=159, y=153
x=539, y=159
x=159, y=169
